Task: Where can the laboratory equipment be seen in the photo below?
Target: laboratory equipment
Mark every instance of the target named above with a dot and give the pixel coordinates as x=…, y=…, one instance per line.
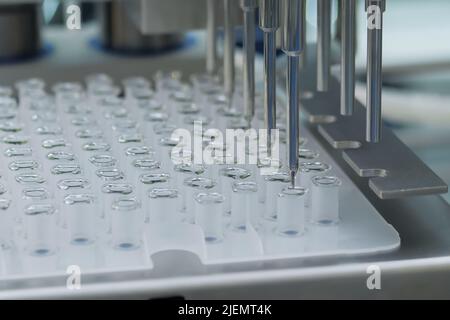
x=98, y=136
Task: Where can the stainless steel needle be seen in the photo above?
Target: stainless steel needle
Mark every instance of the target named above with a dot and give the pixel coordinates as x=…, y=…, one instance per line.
x=211, y=37
x=323, y=44
x=269, y=22
x=249, y=8
x=292, y=45
x=229, y=44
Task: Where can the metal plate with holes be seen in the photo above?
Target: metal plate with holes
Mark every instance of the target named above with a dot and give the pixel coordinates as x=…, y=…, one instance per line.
x=393, y=170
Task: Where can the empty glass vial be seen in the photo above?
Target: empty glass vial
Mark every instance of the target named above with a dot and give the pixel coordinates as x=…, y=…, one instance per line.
x=183, y=171
x=228, y=176
x=40, y=226
x=6, y=224
x=105, y=175
x=82, y=217
x=126, y=224
x=325, y=200
x=193, y=186
x=141, y=166
x=34, y=195
x=27, y=180
x=112, y=191
x=308, y=170
x=244, y=201
x=291, y=211
x=274, y=182
x=163, y=205
x=149, y=181
x=209, y=215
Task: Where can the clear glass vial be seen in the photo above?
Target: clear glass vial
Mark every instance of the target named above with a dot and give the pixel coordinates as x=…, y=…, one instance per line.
x=274, y=183
x=163, y=205
x=308, y=170
x=325, y=200
x=193, y=186
x=40, y=226
x=209, y=215
x=6, y=224
x=228, y=176
x=82, y=217
x=291, y=211
x=126, y=224
x=244, y=201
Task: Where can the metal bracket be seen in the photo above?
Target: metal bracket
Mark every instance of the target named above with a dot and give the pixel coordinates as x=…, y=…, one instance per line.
x=393, y=170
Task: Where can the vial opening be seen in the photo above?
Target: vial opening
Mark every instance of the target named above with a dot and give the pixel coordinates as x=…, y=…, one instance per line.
x=245, y=187
x=67, y=184
x=35, y=194
x=326, y=181
x=74, y=199
x=151, y=178
x=117, y=188
x=163, y=193
x=126, y=204
x=314, y=167
x=199, y=183
x=235, y=173
x=209, y=198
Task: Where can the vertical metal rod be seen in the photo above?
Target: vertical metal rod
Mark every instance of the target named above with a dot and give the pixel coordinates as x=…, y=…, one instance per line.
x=293, y=46
x=293, y=114
x=375, y=10
x=348, y=56
x=269, y=22
x=323, y=44
x=229, y=44
x=270, y=95
x=249, y=6
x=211, y=37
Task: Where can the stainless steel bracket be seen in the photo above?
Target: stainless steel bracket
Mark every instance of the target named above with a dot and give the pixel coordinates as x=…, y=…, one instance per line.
x=393, y=170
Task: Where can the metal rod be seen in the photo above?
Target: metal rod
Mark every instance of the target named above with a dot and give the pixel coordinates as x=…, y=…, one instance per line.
x=323, y=44
x=249, y=7
x=229, y=44
x=269, y=22
x=293, y=114
x=375, y=10
x=348, y=56
x=293, y=46
x=211, y=37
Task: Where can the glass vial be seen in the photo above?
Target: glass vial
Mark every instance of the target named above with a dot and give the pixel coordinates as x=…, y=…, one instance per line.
x=291, y=211
x=163, y=205
x=274, y=183
x=193, y=186
x=209, y=215
x=126, y=224
x=325, y=200
x=244, y=200
x=81, y=211
x=40, y=224
x=307, y=171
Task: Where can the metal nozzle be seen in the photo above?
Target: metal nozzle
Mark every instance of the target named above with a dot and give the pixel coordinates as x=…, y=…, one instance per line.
x=211, y=37
x=375, y=9
x=293, y=45
x=348, y=33
x=323, y=44
x=228, y=59
x=269, y=22
x=249, y=7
